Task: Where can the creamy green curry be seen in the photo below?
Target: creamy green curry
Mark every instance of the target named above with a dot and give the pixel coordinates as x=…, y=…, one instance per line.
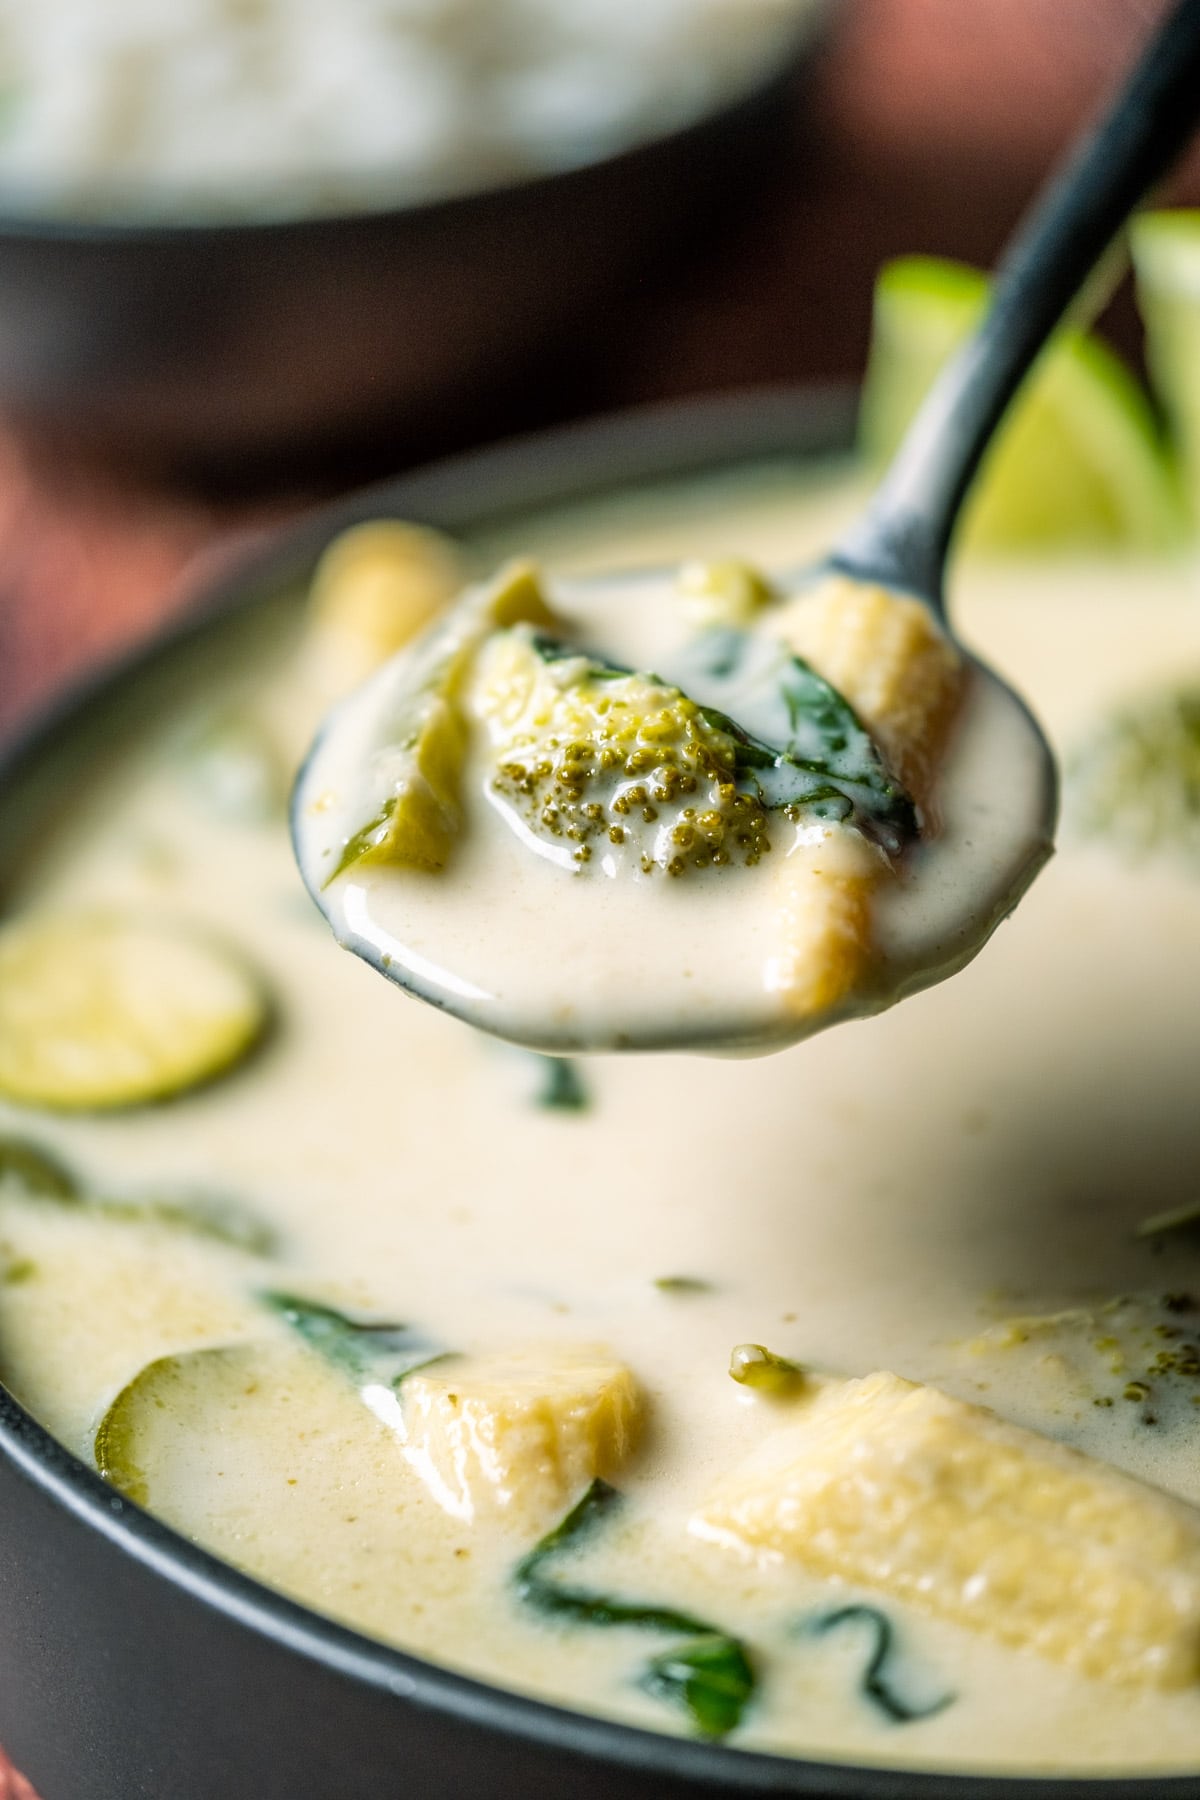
x=841, y=1402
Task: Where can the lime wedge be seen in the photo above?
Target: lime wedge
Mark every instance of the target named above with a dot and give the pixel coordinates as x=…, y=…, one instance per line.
x=1166, y=260
x=1077, y=463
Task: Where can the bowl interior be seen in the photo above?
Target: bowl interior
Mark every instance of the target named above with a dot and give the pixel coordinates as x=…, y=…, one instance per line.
x=59, y=1611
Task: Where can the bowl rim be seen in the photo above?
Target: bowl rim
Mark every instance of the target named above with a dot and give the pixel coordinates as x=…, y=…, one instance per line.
x=532, y=473
x=122, y=228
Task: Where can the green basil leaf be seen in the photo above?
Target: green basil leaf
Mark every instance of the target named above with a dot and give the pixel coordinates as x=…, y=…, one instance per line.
x=369, y=1351
x=709, y=1674
x=877, y=1682
x=710, y=1677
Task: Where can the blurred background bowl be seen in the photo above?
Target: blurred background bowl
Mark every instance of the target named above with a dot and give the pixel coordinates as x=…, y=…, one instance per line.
x=221, y=350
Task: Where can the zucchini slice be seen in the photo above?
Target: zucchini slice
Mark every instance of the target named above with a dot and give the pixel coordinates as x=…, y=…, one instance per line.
x=100, y=1011
x=258, y=1449
x=148, y=1433
x=36, y=1173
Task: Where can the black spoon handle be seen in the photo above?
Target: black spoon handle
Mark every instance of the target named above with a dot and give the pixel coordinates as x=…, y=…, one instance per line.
x=902, y=538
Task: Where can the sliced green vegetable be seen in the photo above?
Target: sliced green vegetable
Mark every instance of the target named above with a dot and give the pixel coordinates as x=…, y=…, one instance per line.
x=370, y=1351
x=1175, y=1218
x=877, y=1680
x=420, y=819
x=709, y=1675
x=150, y=1419
x=753, y=1365
x=416, y=769
x=531, y=1577
x=683, y=1284
x=1136, y=779
x=35, y=1171
x=35, y=1174
x=204, y=1215
x=562, y=1088
x=1078, y=461
x=100, y=1011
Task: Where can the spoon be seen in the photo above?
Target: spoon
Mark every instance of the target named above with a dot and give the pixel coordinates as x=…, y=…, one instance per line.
x=580, y=973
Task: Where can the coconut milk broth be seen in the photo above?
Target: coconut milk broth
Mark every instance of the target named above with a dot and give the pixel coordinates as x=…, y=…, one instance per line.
x=890, y=1194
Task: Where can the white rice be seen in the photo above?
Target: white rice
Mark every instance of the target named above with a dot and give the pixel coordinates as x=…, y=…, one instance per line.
x=227, y=108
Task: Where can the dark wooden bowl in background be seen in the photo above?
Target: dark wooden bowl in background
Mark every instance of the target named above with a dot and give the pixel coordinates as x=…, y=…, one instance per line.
x=231, y=352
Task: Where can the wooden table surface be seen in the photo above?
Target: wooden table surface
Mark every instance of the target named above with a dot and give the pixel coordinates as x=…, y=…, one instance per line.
x=926, y=125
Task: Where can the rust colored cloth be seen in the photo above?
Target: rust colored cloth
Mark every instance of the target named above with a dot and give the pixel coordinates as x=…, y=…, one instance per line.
x=88, y=564
x=13, y=1786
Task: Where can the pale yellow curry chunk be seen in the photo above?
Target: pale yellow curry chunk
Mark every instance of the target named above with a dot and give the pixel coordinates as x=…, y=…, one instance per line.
x=890, y=659
x=891, y=1485
x=376, y=586
x=895, y=665
x=521, y=1432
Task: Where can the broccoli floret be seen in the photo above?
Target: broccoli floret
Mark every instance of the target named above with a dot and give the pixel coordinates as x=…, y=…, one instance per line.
x=599, y=758
x=1137, y=780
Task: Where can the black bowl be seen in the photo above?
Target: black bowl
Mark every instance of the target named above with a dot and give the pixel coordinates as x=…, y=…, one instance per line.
x=134, y=1666
x=230, y=352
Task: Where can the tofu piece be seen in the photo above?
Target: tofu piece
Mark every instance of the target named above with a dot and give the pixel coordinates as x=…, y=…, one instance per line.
x=897, y=1487
x=522, y=1432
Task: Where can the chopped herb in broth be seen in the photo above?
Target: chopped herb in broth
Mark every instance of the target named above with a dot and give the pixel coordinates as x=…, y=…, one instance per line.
x=709, y=1674
x=562, y=1087
x=710, y=1677
x=878, y=1676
